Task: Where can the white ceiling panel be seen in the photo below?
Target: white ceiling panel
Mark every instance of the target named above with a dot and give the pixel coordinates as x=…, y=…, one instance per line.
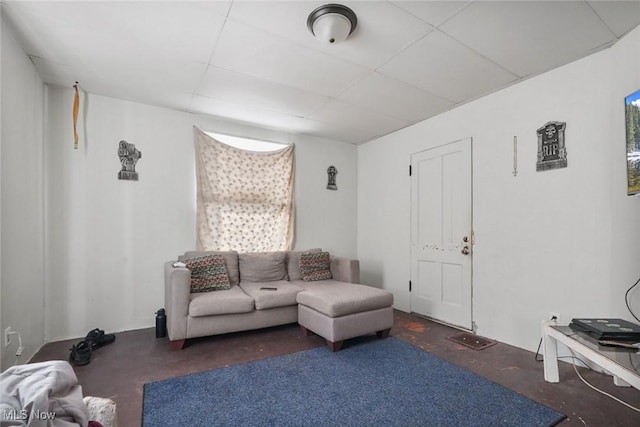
x=17, y=19
x=141, y=85
x=529, y=37
x=255, y=52
x=382, y=29
x=58, y=74
x=255, y=62
x=619, y=16
x=440, y=65
x=183, y=30
x=432, y=12
x=352, y=116
x=251, y=115
x=338, y=133
x=168, y=98
x=394, y=98
x=242, y=89
x=175, y=77
x=126, y=83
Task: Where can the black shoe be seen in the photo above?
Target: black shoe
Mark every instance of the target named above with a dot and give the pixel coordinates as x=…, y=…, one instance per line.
x=97, y=338
x=80, y=354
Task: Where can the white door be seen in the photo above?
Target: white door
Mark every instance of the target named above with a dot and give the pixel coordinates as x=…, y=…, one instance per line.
x=441, y=233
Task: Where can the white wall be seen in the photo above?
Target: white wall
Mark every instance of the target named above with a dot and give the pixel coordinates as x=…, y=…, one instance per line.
x=108, y=239
x=563, y=240
x=22, y=211
x=625, y=237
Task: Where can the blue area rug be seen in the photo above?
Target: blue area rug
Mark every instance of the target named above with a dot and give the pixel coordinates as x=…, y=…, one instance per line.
x=384, y=382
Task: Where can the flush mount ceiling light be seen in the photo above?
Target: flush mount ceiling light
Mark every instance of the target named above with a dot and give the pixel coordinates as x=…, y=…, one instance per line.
x=332, y=23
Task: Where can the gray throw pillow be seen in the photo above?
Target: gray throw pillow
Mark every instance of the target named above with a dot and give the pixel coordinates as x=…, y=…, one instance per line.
x=262, y=266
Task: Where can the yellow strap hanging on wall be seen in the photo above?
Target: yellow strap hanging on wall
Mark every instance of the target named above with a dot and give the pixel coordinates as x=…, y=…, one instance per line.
x=76, y=107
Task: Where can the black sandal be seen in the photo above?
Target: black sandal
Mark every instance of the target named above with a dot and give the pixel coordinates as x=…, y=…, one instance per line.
x=97, y=338
x=80, y=353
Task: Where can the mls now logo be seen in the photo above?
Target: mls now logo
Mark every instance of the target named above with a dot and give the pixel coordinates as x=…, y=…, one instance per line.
x=23, y=415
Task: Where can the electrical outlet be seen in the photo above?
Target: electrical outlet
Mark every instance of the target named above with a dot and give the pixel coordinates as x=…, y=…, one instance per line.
x=554, y=316
x=7, y=337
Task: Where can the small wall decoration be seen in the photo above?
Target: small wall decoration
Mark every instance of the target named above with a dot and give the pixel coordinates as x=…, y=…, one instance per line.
x=332, y=172
x=552, y=152
x=515, y=155
x=129, y=156
x=76, y=109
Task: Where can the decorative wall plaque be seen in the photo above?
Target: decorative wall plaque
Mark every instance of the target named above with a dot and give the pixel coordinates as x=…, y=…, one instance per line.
x=129, y=156
x=552, y=152
x=332, y=172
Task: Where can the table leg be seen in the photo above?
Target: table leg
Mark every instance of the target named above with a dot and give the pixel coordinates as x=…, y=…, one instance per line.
x=550, y=352
x=620, y=382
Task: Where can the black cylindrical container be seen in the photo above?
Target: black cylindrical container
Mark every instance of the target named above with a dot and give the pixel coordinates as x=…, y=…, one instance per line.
x=161, y=324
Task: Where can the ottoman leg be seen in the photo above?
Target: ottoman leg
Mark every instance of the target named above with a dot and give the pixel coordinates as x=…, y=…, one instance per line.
x=177, y=344
x=335, y=346
x=383, y=334
x=305, y=332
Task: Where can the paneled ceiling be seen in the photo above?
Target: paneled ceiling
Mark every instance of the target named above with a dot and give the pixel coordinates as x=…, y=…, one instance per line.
x=255, y=62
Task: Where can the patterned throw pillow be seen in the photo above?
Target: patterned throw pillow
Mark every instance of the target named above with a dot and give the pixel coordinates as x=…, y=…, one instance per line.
x=208, y=273
x=315, y=266
x=293, y=263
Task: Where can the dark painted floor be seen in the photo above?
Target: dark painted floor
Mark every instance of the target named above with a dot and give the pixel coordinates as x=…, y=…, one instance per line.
x=121, y=369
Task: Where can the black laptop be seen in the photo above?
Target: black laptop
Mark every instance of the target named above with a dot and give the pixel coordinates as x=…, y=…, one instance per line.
x=607, y=329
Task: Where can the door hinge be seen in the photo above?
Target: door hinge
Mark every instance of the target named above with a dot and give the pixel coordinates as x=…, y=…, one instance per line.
x=409, y=170
x=409, y=285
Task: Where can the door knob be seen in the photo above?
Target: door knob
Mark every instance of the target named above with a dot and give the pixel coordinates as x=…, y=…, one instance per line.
x=465, y=250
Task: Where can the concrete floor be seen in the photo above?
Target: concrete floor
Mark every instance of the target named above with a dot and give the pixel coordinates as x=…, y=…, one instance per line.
x=120, y=370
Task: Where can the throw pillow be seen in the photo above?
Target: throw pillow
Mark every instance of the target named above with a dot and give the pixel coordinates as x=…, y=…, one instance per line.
x=263, y=266
x=208, y=273
x=293, y=263
x=230, y=260
x=315, y=266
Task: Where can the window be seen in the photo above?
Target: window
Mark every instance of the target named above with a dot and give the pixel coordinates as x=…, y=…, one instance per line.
x=247, y=143
x=245, y=196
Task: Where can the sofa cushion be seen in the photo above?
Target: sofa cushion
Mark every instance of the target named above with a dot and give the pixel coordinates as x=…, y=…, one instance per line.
x=329, y=283
x=284, y=295
x=208, y=273
x=230, y=301
x=293, y=263
x=230, y=261
x=262, y=266
x=349, y=298
x=315, y=266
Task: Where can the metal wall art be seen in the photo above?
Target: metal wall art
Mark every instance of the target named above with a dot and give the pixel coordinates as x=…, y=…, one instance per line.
x=332, y=172
x=552, y=152
x=129, y=156
x=515, y=155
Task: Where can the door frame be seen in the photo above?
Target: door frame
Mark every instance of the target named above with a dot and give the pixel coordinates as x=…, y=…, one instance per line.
x=472, y=237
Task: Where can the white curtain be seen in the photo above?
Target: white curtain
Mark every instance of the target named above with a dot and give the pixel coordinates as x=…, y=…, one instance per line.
x=245, y=198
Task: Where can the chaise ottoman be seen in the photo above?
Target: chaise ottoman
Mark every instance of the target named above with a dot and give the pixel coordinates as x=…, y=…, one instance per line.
x=342, y=311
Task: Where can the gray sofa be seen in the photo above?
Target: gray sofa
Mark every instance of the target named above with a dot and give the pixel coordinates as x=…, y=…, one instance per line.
x=334, y=308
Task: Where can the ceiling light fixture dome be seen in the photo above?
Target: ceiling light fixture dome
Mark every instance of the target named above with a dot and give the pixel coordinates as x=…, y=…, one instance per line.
x=332, y=23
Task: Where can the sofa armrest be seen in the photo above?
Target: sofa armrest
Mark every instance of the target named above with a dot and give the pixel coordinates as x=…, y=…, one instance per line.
x=177, y=289
x=345, y=269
